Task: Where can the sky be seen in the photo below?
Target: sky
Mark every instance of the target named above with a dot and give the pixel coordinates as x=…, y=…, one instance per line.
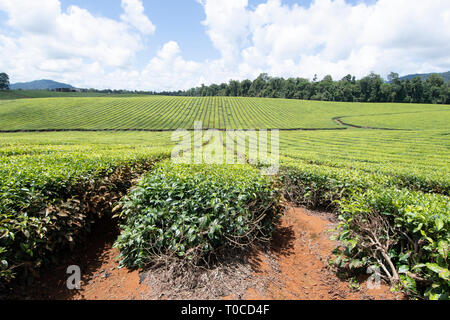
x=178, y=44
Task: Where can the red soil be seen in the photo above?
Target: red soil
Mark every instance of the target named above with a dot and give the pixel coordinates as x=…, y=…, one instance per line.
x=101, y=278
x=295, y=268
x=302, y=248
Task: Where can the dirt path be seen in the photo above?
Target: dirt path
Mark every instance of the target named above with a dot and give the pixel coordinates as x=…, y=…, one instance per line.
x=295, y=268
x=302, y=248
x=339, y=121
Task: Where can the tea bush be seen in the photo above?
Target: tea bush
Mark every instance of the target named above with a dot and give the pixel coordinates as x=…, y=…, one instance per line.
x=321, y=186
x=383, y=224
x=190, y=211
x=417, y=159
x=405, y=233
x=50, y=199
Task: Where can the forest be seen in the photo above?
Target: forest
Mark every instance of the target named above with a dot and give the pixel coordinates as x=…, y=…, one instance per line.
x=372, y=88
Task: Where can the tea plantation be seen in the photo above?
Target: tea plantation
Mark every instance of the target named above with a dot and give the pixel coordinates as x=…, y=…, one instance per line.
x=383, y=169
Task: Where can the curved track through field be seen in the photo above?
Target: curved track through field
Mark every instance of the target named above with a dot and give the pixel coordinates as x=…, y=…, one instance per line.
x=160, y=114
x=339, y=121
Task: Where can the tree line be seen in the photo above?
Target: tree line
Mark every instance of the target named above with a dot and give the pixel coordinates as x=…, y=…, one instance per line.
x=371, y=88
x=4, y=81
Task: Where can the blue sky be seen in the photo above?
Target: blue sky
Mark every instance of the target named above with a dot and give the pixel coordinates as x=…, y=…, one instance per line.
x=178, y=20
x=176, y=44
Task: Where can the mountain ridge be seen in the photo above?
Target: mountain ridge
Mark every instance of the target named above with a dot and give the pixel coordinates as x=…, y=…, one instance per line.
x=423, y=76
x=43, y=84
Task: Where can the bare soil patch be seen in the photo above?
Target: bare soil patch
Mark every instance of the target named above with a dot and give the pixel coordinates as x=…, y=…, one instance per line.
x=301, y=248
x=294, y=267
x=101, y=277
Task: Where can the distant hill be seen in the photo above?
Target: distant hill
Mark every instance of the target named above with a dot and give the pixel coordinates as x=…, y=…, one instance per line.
x=445, y=75
x=40, y=85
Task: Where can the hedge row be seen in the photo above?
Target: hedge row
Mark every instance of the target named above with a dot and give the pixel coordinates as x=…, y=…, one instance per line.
x=41, y=216
x=404, y=233
x=191, y=211
x=384, y=223
x=388, y=175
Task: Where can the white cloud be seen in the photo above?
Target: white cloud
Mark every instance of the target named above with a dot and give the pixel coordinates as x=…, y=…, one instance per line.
x=161, y=70
x=332, y=37
x=134, y=15
x=328, y=37
x=51, y=43
x=31, y=16
x=227, y=25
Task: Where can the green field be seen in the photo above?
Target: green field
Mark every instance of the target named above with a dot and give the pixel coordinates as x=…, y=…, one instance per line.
x=423, y=154
x=338, y=170
x=31, y=94
x=156, y=112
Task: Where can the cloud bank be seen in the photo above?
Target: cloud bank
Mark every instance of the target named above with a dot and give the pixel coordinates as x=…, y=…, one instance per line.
x=328, y=37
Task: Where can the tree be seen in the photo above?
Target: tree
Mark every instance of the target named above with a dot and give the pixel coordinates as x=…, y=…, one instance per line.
x=234, y=88
x=393, y=76
x=371, y=88
x=4, y=81
x=346, y=88
x=258, y=85
x=417, y=90
x=275, y=86
x=435, y=80
x=245, y=87
x=348, y=78
x=303, y=89
x=434, y=89
x=213, y=90
x=289, y=86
